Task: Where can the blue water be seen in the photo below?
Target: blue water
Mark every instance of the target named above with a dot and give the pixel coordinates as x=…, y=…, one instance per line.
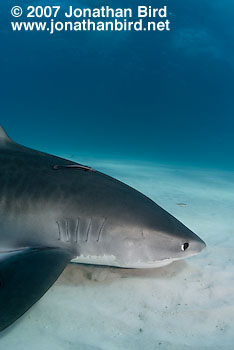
x=162, y=97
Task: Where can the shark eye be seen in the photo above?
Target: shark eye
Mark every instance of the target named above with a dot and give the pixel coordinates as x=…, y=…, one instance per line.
x=185, y=246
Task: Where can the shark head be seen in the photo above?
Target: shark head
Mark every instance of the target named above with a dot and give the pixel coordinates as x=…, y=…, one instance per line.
x=135, y=232
x=148, y=236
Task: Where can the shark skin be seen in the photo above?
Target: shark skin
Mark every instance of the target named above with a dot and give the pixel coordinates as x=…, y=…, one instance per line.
x=54, y=211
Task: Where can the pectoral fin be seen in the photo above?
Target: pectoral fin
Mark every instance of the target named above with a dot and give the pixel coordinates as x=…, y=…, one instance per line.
x=25, y=275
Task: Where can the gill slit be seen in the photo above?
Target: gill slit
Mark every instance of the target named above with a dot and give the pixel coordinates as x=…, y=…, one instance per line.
x=67, y=233
x=101, y=229
x=77, y=230
x=59, y=232
x=87, y=234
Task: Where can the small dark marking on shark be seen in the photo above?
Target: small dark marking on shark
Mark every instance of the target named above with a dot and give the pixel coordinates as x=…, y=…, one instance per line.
x=59, y=232
x=67, y=232
x=73, y=166
x=101, y=229
x=88, y=230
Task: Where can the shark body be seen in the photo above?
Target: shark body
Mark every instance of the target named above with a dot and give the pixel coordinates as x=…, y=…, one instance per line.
x=53, y=211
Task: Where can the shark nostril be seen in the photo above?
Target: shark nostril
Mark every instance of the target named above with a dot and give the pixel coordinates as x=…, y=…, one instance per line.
x=185, y=246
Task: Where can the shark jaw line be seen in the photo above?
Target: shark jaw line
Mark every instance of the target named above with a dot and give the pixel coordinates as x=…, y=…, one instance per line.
x=111, y=260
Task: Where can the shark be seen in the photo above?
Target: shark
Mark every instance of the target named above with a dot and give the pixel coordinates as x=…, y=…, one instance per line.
x=55, y=211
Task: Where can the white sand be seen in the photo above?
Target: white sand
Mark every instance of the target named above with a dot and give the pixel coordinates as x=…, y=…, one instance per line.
x=186, y=305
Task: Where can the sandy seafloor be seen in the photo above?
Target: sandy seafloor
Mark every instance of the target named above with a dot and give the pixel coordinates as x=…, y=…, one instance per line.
x=186, y=305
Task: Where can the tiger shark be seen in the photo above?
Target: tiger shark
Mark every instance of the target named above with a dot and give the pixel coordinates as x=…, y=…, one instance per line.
x=55, y=211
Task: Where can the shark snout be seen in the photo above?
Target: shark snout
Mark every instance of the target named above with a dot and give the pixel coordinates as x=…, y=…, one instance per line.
x=199, y=245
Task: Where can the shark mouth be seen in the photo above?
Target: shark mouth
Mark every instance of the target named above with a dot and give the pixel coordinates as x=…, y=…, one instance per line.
x=111, y=260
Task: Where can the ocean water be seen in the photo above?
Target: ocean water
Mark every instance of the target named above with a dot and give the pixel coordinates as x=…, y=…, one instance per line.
x=154, y=110
x=164, y=97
